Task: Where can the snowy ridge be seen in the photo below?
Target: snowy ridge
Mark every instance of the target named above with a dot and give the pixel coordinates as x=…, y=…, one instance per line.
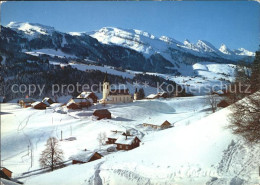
x=148, y=44
x=31, y=29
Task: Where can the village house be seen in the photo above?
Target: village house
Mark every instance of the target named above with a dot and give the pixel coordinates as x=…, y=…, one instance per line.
x=39, y=105
x=85, y=157
x=26, y=102
x=102, y=114
x=164, y=125
x=48, y=101
x=111, y=139
x=88, y=95
x=116, y=95
x=80, y=102
x=127, y=142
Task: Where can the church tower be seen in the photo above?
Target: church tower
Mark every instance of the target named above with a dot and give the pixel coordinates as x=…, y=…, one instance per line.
x=135, y=94
x=106, y=88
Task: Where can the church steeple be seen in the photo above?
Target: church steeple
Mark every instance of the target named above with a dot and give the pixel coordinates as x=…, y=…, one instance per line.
x=105, y=79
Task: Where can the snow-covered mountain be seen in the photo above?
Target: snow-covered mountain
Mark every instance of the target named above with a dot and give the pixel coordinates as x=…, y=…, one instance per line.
x=31, y=30
x=126, y=48
x=149, y=44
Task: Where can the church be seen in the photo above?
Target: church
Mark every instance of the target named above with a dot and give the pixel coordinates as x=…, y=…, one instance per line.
x=117, y=95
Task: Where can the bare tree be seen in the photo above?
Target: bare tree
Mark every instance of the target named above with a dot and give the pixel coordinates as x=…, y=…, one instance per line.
x=101, y=139
x=52, y=156
x=245, y=118
x=212, y=100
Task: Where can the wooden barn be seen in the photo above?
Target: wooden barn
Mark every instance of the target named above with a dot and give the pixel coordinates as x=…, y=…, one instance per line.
x=39, y=105
x=48, y=101
x=164, y=125
x=26, y=102
x=102, y=113
x=85, y=157
x=127, y=142
x=111, y=139
x=88, y=95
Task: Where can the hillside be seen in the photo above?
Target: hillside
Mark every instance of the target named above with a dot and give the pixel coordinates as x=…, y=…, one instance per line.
x=198, y=150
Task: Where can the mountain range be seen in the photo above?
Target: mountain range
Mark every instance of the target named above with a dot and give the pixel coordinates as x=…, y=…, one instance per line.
x=127, y=48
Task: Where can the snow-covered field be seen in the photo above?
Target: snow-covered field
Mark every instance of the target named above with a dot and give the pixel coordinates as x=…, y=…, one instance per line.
x=51, y=52
x=198, y=150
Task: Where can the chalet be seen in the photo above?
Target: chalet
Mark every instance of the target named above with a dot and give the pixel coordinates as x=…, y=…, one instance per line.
x=81, y=102
x=85, y=157
x=73, y=106
x=127, y=142
x=164, y=125
x=116, y=95
x=48, y=101
x=88, y=95
x=102, y=113
x=111, y=139
x=39, y=105
x=26, y=102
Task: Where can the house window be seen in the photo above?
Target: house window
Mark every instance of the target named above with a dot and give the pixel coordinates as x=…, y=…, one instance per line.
x=126, y=147
x=120, y=146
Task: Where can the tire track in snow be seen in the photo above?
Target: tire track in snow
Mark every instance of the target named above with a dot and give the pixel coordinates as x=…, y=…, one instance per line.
x=97, y=178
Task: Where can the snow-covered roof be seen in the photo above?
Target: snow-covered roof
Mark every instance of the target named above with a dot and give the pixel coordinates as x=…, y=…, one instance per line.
x=79, y=100
x=115, y=135
x=152, y=96
x=125, y=140
x=83, y=156
x=84, y=94
x=36, y=103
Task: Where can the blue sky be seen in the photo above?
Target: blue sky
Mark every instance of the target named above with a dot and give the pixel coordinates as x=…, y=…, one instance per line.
x=237, y=24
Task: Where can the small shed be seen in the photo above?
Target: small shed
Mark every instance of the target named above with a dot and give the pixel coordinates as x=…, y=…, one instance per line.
x=164, y=125
x=127, y=142
x=85, y=157
x=6, y=172
x=39, y=105
x=102, y=113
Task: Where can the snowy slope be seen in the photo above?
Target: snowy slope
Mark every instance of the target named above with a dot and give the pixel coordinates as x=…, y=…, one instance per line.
x=198, y=150
x=194, y=152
